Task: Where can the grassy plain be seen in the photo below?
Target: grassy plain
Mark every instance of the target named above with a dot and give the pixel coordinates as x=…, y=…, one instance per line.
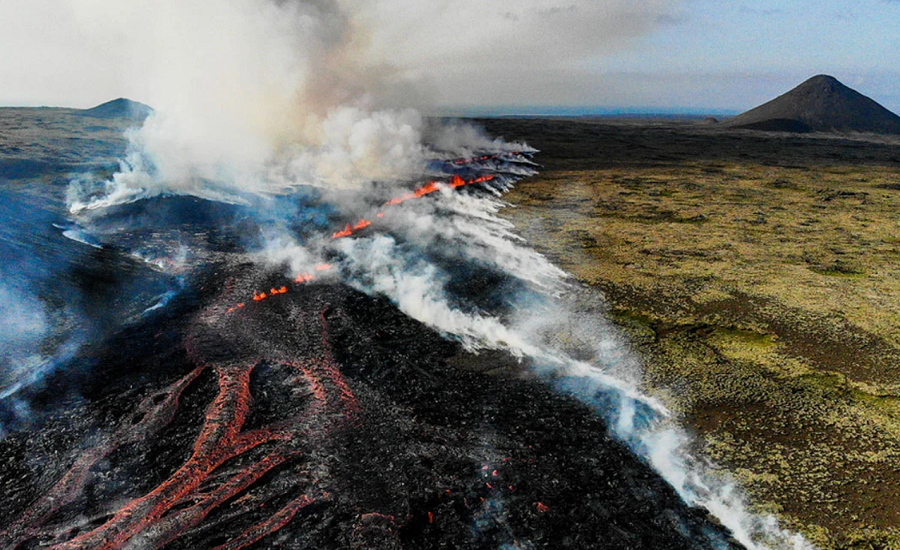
x=757, y=277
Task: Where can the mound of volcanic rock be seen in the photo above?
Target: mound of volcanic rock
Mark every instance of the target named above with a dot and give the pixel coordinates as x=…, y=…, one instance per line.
x=319, y=418
x=821, y=104
x=119, y=108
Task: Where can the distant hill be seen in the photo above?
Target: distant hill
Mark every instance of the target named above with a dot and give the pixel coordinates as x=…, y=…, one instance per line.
x=119, y=108
x=821, y=104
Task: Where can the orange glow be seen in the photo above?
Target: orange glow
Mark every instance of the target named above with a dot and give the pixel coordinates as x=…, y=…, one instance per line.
x=541, y=507
x=433, y=186
x=347, y=231
x=426, y=189
x=423, y=190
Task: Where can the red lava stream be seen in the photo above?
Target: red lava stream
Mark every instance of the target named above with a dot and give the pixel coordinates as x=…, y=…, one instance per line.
x=184, y=500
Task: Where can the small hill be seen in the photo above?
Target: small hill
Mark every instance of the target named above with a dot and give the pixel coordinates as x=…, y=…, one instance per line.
x=821, y=104
x=119, y=108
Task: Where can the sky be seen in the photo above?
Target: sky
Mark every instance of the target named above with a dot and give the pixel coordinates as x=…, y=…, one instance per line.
x=658, y=55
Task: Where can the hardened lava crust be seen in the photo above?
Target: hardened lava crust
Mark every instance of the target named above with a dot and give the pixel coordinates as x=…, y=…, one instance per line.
x=320, y=418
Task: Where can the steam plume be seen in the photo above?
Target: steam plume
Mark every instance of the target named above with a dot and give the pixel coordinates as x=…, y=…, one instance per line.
x=541, y=322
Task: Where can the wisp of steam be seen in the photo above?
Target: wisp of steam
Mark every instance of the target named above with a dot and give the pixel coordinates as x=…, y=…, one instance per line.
x=285, y=98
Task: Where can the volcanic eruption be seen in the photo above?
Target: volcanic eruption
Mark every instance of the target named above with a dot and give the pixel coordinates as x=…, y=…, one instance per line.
x=351, y=349
x=271, y=408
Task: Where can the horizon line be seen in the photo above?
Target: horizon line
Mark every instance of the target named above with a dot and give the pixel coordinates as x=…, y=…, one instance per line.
x=561, y=110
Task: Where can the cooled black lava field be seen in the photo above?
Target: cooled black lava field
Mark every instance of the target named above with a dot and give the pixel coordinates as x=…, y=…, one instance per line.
x=172, y=388
x=321, y=418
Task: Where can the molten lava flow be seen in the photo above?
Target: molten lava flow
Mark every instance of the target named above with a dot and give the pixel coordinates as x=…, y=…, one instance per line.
x=426, y=189
x=220, y=439
x=271, y=525
x=346, y=232
x=210, y=478
x=351, y=229
x=152, y=415
x=433, y=186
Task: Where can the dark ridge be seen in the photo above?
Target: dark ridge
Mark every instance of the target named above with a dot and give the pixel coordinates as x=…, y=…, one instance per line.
x=821, y=104
x=120, y=108
x=778, y=125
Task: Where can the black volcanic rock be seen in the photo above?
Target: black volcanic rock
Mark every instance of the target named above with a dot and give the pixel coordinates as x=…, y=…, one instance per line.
x=120, y=108
x=367, y=437
x=821, y=104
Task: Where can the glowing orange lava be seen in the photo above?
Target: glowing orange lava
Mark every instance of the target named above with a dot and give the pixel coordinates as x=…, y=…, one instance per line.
x=200, y=485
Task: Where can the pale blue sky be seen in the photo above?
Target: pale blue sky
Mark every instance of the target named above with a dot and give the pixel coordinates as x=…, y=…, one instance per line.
x=734, y=55
x=640, y=54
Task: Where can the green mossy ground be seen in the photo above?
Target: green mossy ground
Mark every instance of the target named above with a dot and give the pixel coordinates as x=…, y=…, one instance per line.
x=765, y=303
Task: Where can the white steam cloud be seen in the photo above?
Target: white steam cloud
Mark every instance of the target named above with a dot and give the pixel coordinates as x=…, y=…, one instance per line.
x=265, y=95
x=546, y=323
x=251, y=96
x=83, y=52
